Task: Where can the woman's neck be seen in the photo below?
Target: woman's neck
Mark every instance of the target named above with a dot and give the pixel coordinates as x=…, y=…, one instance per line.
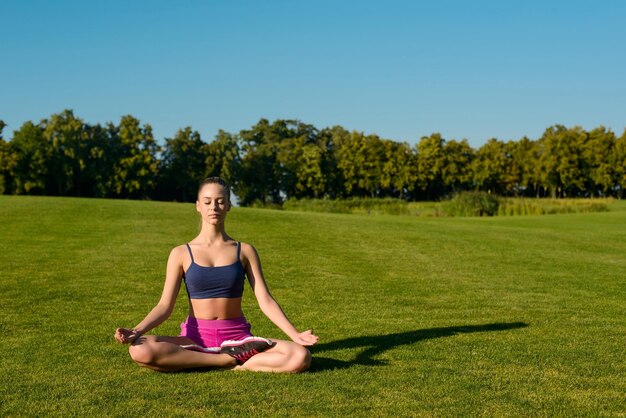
x=213, y=233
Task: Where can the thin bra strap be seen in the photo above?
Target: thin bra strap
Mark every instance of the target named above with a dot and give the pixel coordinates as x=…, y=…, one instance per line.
x=238, y=249
x=190, y=253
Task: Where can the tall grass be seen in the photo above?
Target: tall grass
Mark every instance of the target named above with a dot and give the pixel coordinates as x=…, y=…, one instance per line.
x=463, y=204
x=525, y=206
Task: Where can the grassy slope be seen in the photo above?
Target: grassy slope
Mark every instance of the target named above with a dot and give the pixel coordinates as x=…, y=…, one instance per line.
x=499, y=316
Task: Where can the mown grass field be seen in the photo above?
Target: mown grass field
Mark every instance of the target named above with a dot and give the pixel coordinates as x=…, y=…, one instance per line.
x=506, y=316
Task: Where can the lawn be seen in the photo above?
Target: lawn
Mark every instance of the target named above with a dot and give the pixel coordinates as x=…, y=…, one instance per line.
x=505, y=316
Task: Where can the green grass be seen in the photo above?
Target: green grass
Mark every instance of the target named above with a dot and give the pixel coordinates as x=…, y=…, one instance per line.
x=502, y=316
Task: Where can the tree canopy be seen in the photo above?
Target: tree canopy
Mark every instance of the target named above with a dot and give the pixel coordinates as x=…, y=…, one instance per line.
x=274, y=161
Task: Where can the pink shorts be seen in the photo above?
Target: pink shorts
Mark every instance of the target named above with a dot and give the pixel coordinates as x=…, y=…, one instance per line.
x=212, y=332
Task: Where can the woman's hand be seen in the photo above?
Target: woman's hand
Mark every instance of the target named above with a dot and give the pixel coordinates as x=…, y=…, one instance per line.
x=126, y=336
x=305, y=338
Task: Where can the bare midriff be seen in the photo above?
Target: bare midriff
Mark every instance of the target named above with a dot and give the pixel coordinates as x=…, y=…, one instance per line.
x=215, y=308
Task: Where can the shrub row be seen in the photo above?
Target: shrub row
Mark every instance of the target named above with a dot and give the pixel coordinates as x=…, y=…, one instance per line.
x=473, y=203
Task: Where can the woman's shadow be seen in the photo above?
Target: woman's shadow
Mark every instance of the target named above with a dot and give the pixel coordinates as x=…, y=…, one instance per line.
x=376, y=344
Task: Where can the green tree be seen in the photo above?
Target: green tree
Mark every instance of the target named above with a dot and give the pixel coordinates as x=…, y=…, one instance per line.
x=519, y=176
x=560, y=161
x=368, y=167
x=182, y=166
x=573, y=168
x=430, y=163
x=260, y=174
x=619, y=164
x=372, y=173
x=597, y=153
x=327, y=140
x=136, y=165
x=29, y=152
x=490, y=167
x=101, y=159
x=456, y=171
x=223, y=158
x=338, y=162
x=399, y=172
x=310, y=179
x=352, y=154
x=301, y=159
x=7, y=163
x=264, y=176
x=71, y=146
x=258, y=181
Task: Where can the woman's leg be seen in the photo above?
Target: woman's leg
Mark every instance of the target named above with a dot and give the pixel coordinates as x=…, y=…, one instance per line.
x=165, y=354
x=284, y=357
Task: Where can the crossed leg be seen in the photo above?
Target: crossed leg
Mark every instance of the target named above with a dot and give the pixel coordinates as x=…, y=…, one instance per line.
x=165, y=354
x=284, y=357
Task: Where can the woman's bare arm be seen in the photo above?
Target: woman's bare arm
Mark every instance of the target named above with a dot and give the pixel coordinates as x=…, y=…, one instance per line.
x=268, y=305
x=164, y=308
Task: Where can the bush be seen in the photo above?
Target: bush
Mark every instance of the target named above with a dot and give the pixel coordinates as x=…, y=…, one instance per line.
x=472, y=204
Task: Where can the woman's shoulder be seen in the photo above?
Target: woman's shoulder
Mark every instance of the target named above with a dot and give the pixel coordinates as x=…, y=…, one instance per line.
x=179, y=251
x=181, y=247
x=248, y=251
x=246, y=246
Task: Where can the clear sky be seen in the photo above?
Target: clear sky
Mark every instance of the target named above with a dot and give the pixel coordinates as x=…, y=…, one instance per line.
x=400, y=69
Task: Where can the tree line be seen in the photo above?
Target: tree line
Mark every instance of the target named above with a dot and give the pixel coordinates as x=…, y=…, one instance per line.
x=274, y=161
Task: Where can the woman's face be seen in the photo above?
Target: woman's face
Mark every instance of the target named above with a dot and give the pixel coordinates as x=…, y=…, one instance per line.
x=213, y=203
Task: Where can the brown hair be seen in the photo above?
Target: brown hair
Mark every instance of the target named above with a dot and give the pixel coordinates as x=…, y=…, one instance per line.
x=215, y=180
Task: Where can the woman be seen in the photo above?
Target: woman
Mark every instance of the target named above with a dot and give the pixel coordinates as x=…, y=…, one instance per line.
x=215, y=333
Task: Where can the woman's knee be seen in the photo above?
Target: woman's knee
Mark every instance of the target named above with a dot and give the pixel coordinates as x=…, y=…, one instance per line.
x=142, y=352
x=300, y=359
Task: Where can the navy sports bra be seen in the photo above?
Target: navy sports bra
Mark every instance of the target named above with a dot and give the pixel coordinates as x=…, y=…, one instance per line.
x=214, y=282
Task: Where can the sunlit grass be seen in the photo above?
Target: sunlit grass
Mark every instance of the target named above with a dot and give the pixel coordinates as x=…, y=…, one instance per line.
x=517, y=316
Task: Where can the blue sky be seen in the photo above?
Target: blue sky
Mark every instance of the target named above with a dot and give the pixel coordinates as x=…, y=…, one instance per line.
x=399, y=69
